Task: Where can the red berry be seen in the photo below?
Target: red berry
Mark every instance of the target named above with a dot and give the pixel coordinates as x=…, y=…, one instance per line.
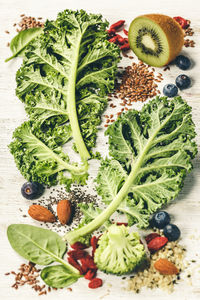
x=157, y=243
x=183, y=22
x=151, y=236
x=95, y=283
x=90, y=274
x=79, y=246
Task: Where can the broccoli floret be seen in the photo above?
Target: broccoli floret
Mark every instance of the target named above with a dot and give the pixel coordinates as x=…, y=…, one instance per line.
x=119, y=251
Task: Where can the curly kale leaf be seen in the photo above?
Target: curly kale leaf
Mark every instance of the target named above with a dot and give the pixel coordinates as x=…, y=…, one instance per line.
x=39, y=156
x=151, y=154
x=67, y=73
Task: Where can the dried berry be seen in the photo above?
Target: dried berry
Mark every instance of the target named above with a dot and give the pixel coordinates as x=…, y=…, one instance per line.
x=75, y=264
x=90, y=274
x=77, y=254
x=88, y=262
x=93, y=243
x=117, y=25
x=157, y=243
x=95, y=283
x=78, y=246
x=183, y=22
x=151, y=236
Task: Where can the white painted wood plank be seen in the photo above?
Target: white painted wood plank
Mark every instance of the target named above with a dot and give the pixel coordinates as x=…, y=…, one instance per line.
x=185, y=209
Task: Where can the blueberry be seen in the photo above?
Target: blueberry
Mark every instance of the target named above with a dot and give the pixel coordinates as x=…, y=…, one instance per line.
x=32, y=190
x=170, y=90
x=182, y=62
x=183, y=81
x=172, y=232
x=160, y=219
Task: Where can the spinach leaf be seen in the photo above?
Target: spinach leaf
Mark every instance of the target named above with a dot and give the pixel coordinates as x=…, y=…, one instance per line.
x=41, y=246
x=58, y=276
x=21, y=40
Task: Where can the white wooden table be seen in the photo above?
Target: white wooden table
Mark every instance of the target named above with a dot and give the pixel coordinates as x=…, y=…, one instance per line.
x=185, y=209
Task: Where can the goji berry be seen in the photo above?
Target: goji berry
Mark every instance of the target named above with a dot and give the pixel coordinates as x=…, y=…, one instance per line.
x=117, y=25
x=90, y=274
x=113, y=39
x=75, y=264
x=157, y=243
x=93, y=243
x=151, y=236
x=79, y=246
x=95, y=283
x=183, y=22
x=125, y=47
x=125, y=31
x=120, y=39
x=111, y=32
x=88, y=262
x=122, y=223
x=84, y=268
x=77, y=254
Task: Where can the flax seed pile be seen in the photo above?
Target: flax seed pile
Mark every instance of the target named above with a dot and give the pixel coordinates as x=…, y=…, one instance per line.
x=28, y=22
x=151, y=278
x=29, y=275
x=137, y=82
x=189, y=32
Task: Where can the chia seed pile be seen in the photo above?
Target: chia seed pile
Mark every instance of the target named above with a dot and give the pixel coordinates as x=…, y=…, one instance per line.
x=77, y=195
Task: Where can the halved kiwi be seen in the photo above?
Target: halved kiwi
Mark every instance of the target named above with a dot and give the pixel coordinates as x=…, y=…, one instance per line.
x=156, y=39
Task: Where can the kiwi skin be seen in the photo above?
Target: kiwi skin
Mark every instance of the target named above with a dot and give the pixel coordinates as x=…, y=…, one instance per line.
x=173, y=32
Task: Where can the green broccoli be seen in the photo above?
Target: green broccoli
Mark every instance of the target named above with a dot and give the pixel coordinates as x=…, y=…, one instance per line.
x=119, y=251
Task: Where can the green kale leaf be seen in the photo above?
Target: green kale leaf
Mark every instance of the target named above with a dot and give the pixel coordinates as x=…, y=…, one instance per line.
x=151, y=153
x=67, y=73
x=39, y=156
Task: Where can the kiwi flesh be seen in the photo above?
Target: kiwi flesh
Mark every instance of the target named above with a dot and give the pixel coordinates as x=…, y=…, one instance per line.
x=156, y=39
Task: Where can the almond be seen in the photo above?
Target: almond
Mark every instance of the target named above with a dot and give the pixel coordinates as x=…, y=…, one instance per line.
x=64, y=211
x=41, y=213
x=165, y=267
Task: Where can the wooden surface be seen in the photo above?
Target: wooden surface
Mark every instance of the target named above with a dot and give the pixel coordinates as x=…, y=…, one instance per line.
x=185, y=209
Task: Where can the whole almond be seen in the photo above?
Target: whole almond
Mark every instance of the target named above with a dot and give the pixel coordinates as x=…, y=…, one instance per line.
x=64, y=211
x=41, y=213
x=165, y=267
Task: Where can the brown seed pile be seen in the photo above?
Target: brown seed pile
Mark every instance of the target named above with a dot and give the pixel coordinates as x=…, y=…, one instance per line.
x=28, y=22
x=151, y=278
x=189, y=32
x=138, y=83
x=76, y=196
x=29, y=275
x=189, y=43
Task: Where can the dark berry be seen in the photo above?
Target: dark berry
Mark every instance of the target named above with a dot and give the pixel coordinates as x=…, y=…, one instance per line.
x=172, y=232
x=32, y=190
x=183, y=62
x=183, y=82
x=160, y=219
x=170, y=90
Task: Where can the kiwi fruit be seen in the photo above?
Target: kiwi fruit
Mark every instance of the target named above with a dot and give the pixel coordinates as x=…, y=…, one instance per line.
x=156, y=39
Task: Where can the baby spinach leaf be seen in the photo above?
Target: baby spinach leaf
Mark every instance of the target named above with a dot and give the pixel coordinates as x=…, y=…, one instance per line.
x=38, y=245
x=21, y=40
x=58, y=276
